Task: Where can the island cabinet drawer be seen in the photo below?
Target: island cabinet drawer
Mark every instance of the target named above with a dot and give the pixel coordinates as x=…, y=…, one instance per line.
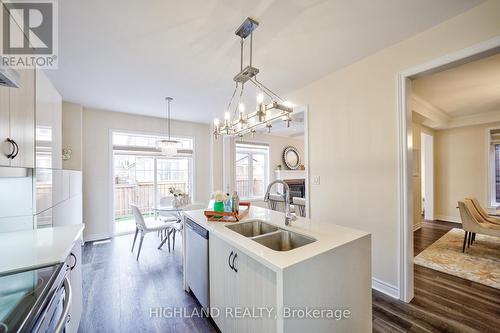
x=242, y=290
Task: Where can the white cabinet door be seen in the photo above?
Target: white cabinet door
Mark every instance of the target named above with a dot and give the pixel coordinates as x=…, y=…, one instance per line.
x=75, y=311
x=249, y=286
x=5, y=147
x=22, y=119
x=255, y=293
x=222, y=282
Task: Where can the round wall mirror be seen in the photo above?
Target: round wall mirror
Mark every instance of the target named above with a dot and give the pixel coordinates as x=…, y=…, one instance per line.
x=291, y=158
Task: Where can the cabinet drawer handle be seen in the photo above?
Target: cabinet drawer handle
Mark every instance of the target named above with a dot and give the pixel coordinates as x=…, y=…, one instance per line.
x=13, y=148
x=234, y=258
x=17, y=149
x=76, y=261
x=229, y=260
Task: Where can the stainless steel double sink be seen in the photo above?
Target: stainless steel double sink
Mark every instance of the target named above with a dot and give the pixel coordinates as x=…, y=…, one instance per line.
x=271, y=236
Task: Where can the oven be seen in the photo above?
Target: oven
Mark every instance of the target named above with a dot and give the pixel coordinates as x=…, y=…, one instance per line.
x=36, y=301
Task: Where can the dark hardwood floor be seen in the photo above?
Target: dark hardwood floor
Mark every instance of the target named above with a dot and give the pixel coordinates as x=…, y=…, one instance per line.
x=442, y=303
x=119, y=293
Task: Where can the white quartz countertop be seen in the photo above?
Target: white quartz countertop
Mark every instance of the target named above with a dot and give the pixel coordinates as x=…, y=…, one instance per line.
x=29, y=249
x=328, y=237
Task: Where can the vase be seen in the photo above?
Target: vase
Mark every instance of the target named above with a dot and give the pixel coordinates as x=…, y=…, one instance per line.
x=176, y=202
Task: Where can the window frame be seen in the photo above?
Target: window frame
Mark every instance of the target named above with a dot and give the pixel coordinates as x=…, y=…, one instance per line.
x=491, y=165
x=251, y=152
x=147, y=151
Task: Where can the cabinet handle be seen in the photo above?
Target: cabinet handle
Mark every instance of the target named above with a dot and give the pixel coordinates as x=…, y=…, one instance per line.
x=229, y=260
x=13, y=148
x=17, y=149
x=234, y=258
x=74, y=257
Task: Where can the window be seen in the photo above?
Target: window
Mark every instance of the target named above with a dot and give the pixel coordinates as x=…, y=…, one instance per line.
x=494, y=179
x=143, y=176
x=251, y=170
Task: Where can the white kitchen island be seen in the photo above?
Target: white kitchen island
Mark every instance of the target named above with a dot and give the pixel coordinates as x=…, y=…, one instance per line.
x=324, y=286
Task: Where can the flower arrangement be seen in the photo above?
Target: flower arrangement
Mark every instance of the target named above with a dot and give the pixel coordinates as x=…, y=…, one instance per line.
x=176, y=192
x=220, y=196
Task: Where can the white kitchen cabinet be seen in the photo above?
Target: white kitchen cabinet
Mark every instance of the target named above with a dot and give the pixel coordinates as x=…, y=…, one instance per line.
x=17, y=114
x=250, y=286
x=4, y=126
x=17, y=117
x=22, y=119
x=75, y=277
x=48, y=136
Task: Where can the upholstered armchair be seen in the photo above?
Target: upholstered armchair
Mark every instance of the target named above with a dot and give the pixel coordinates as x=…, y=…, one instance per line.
x=473, y=222
x=484, y=214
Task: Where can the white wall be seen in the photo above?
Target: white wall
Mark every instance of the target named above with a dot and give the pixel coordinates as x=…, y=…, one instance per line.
x=72, y=119
x=96, y=160
x=353, y=138
x=460, y=157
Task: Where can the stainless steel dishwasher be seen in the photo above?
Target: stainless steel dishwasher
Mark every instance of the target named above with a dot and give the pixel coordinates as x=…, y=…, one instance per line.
x=197, y=261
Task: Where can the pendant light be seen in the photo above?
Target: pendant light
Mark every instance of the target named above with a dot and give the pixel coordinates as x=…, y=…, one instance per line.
x=239, y=122
x=168, y=146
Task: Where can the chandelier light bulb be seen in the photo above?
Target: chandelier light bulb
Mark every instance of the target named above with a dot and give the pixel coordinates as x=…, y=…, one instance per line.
x=241, y=107
x=260, y=98
x=227, y=115
x=216, y=122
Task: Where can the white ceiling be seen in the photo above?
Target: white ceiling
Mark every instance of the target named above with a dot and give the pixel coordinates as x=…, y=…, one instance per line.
x=127, y=55
x=465, y=90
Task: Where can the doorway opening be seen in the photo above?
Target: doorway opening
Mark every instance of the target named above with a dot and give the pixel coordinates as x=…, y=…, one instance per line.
x=413, y=164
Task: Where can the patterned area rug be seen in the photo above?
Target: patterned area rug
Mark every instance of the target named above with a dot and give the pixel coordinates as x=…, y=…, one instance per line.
x=480, y=263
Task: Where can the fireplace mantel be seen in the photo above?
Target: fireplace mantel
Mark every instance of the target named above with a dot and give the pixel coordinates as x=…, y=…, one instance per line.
x=290, y=174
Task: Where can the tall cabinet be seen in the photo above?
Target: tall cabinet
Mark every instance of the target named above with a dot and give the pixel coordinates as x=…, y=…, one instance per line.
x=17, y=116
x=17, y=122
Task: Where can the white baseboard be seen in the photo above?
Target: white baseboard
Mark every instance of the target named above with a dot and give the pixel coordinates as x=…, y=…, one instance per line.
x=448, y=218
x=417, y=226
x=385, y=288
x=94, y=237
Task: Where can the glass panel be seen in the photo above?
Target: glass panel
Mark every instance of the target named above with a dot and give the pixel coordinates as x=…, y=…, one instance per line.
x=259, y=173
x=147, y=141
x=173, y=172
x=242, y=174
x=134, y=184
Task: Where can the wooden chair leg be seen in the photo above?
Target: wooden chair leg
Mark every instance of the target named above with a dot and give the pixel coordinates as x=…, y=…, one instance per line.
x=465, y=240
x=140, y=245
x=469, y=238
x=473, y=237
x=135, y=237
x=173, y=239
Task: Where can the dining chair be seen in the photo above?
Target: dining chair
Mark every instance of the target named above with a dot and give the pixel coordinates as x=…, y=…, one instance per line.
x=276, y=202
x=483, y=212
x=300, y=204
x=145, y=226
x=472, y=223
x=178, y=227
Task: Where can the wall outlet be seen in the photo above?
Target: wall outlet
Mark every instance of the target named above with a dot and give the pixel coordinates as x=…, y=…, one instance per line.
x=316, y=180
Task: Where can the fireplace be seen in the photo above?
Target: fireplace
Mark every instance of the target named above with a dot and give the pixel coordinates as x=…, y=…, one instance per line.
x=297, y=187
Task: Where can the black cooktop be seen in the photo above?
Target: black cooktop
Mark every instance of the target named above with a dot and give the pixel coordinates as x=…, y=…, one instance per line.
x=21, y=295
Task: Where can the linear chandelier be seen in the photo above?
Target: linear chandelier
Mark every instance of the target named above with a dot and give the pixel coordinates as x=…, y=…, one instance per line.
x=240, y=123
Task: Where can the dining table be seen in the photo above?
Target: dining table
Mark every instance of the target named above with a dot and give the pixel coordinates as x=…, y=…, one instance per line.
x=175, y=211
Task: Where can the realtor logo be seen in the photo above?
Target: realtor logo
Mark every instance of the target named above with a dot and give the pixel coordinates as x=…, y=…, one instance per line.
x=29, y=33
